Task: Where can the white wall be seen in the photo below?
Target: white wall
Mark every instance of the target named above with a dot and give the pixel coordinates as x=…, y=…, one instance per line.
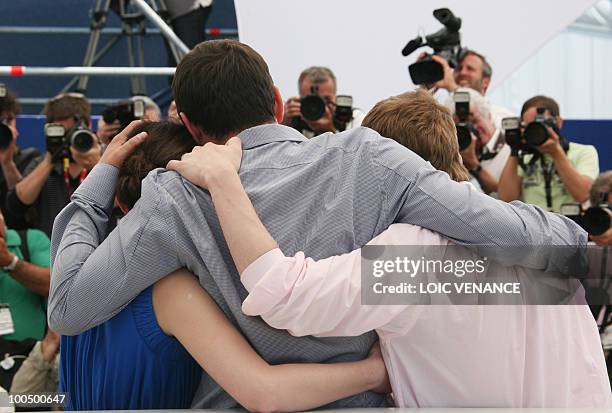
x=361, y=40
x=574, y=68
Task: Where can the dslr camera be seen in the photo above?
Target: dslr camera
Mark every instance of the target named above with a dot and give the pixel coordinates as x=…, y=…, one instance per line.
x=527, y=138
x=312, y=108
x=464, y=128
x=6, y=135
x=595, y=220
x=125, y=112
x=60, y=140
x=446, y=43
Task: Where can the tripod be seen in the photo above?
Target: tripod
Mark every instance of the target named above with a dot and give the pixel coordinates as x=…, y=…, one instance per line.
x=133, y=29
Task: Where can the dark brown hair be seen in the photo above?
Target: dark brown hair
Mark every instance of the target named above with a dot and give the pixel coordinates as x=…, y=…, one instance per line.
x=10, y=104
x=66, y=106
x=541, y=101
x=166, y=141
x=418, y=122
x=224, y=87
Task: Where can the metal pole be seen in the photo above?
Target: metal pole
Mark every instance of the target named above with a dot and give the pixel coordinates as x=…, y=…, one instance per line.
x=213, y=31
x=161, y=24
x=89, y=71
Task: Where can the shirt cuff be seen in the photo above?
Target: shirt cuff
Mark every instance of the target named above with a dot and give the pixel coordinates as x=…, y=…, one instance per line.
x=253, y=273
x=99, y=186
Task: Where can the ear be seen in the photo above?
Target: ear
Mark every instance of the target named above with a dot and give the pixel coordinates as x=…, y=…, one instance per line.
x=559, y=122
x=193, y=129
x=486, y=81
x=121, y=206
x=279, y=106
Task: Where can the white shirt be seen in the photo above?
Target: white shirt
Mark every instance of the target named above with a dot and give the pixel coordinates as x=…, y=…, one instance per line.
x=439, y=356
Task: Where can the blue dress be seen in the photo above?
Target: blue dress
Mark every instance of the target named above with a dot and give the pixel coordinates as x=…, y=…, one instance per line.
x=127, y=363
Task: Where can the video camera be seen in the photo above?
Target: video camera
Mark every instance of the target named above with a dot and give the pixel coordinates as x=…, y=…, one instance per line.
x=125, y=112
x=595, y=220
x=527, y=139
x=464, y=128
x=446, y=43
x=60, y=139
x=6, y=135
x=312, y=108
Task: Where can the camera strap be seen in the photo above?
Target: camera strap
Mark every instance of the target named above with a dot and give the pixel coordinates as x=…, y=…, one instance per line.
x=67, y=180
x=547, y=171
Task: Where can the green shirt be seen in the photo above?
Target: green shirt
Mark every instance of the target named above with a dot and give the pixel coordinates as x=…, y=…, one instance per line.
x=582, y=157
x=28, y=309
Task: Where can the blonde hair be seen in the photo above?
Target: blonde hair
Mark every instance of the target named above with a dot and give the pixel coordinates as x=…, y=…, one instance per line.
x=418, y=122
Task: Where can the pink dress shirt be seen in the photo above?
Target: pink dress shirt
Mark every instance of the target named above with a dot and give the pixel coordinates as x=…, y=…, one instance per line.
x=439, y=356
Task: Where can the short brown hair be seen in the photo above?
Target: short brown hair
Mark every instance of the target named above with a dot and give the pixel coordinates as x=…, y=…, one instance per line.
x=317, y=75
x=487, y=70
x=541, y=101
x=66, y=106
x=601, y=185
x=418, y=122
x=165, y=141
x=9, y=104
x=224, y=87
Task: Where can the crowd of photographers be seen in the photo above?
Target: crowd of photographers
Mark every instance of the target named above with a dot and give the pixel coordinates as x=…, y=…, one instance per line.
x=523, y=158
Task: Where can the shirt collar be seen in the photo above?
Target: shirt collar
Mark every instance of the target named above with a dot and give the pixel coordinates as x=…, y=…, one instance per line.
x=268, y=133
x=494, y=145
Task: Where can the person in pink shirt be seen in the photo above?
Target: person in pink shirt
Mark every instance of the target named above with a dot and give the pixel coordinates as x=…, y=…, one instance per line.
x=436, y=356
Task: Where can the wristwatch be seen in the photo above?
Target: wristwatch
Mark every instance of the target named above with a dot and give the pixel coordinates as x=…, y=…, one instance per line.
x=476, y=171
x=12, y=265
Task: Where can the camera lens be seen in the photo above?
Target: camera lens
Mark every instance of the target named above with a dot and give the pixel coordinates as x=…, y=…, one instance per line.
x=82, y=140
x=463, y=137
x=596, y=220
x=312, y=107
x=535, y=134
x=6, y=136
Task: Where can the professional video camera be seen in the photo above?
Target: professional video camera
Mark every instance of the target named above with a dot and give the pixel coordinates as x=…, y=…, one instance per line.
x=60, y=139
x=6, y=135
x=446, y=43
x=527, y=138
x=464, y=128
x=313, y=107
x=595, y=220
x=125, y=112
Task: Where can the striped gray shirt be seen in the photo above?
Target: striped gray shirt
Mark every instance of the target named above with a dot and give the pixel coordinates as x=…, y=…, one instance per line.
x=324, y=196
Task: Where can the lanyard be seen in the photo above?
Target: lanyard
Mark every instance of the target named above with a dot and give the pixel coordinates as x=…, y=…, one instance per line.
x=67, y=183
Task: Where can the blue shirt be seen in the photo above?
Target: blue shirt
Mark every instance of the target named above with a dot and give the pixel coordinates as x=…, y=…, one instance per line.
x=127, y=363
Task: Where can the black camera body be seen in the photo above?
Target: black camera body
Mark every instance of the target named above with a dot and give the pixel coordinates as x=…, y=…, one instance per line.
x=446, y=43
x=125, y=112
x=595, y=220
x=6, y=135
x=464, y=128
x=527, y=138
x=60, y=140
x=312, y=108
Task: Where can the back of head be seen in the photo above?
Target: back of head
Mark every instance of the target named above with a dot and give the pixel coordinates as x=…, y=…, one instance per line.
x=418, y=122
x=166, y=141
x=68, y=105
x=541, y=101
x=224, y=87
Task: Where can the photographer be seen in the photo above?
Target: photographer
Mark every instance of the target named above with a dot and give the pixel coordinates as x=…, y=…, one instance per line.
x=13, y=159
x=552, y=173
x=319, y=81
x=472, y=71
x=51, y=178
x=486, y=155
x=106, y=131
x=602, y=185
